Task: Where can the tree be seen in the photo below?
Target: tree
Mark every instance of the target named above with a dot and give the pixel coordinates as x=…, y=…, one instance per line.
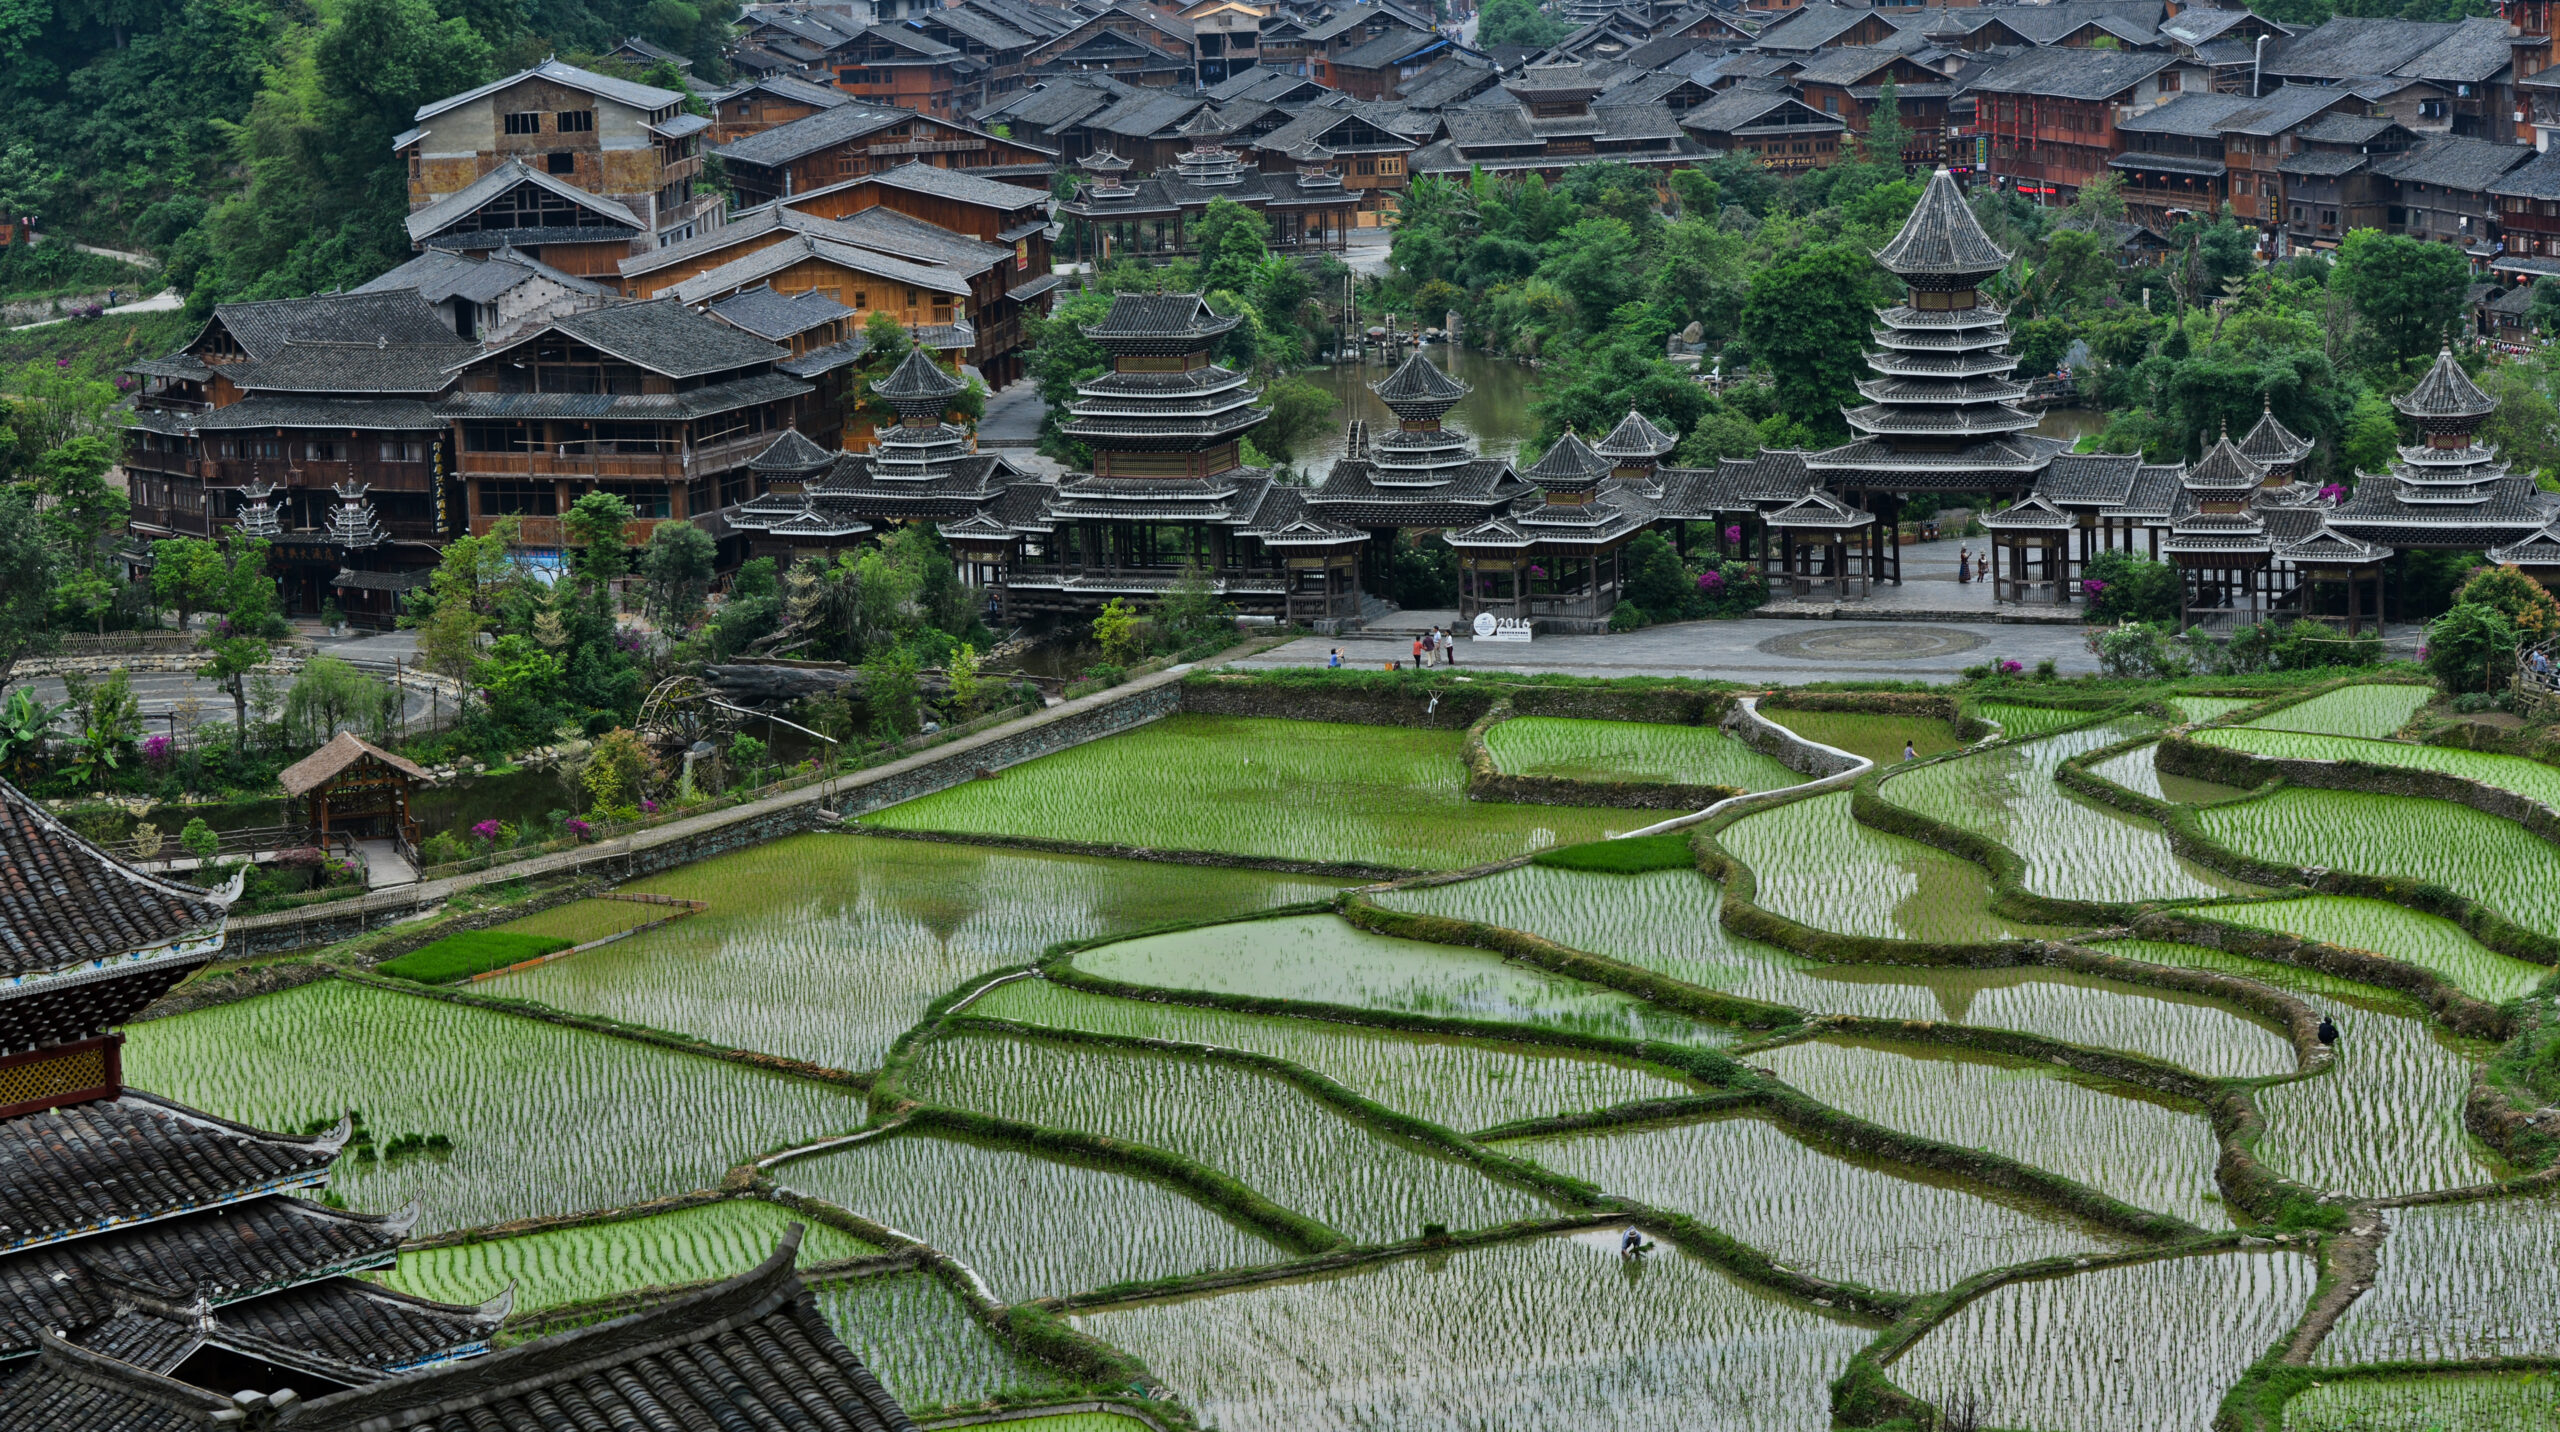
x=1594, y=263
x=1116, y=629
x=110, y=718
x=1807, y=321
x=187, y=576
x=237, y=646
x=678, y=565
x=2371, y=436
x=329, y=693
x=592, y=527
x=2519, y=598
x=2470, y=647
x=1516, y=22
x=2407, y=292
x=618, y=774
x=1234, y=241
x=889, y=689
x=1299, y=412
x=2126, y=587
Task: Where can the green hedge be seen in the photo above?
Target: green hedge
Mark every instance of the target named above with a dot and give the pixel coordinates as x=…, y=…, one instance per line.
x=1632, y=856
x=458, y=957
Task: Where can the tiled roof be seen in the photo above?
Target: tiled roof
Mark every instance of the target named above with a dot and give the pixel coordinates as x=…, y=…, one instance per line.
x=359, y=1326
x=650, y=407
x=444, y=212
x=2082, y=478
x=810, y=133
x=662, y=336
x=2455, y=162
x=959, y=185
x=2063, y=72
x=638, y=96
x=1636, y=436
x=2321, y=163
x=2225, y=468
x=2197, y=116
x=65, y=902
x=2272, y=443
x=791, y=452
x=917, y=377
x=1168, y=314
x=281, y=410
x=1417, y=378
x=1942, y=237
x=2446, y=392
x=262, y=329
x=777, y=316
x=134, y=1159
x=438, y=274
x=1568, y=462
x=760, y=265
x=71, y=1389
x=418, y=369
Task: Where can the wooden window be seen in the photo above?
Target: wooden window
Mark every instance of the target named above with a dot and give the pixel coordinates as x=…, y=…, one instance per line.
x=576, y=121
x=2169, y=81
x=525, y=122
x=560, y=161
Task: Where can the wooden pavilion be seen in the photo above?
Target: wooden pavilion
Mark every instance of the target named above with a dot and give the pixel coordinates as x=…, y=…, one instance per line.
x=355, y=787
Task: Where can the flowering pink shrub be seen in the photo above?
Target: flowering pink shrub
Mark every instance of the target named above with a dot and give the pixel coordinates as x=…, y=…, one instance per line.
x=1733, y=535
x=580, y=828
x=648, y=806
x=2092, y=585
x=157, y=751
x=2010, y=668
x=486, y=830
x=2333, y=494
x=1711, y=581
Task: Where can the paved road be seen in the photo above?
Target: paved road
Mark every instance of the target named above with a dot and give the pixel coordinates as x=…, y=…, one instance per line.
x=1753, y=649
x=1012, y=416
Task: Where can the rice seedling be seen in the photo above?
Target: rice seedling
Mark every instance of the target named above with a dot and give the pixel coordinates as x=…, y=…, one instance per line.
x=2018, y=720
x=1326, y=960
x=916, y=1334
x=1276, y=1138
x=1068, y=1422
x=1290, y=790
x=2395, y=933
x=2152, y=1345
x=2496, y=862
x=2531, y=779
x=1525, y=1336
x=2138, y=770
x=827, y=947
x=2372, y=710
x=1666, y=922
x=1030, y=1225
x=2206, y=708
x=1459, y=1084
x=543, y=1119
x=1572, y=750
x=2387, y=1116
x=582, y=920
x=1875, y=735
x=2074, y=848
x=2143, y=1152
x=2428, y=1402
x=1815, y=864
x=2458, y=1282
x=1810, y=1210
x=458, y=957
x=560, y=1266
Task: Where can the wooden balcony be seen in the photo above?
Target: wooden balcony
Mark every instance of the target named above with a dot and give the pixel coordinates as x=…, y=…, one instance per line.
x=552, y=462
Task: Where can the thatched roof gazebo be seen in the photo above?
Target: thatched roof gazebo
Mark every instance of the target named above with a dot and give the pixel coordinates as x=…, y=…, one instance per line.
x=356, y=787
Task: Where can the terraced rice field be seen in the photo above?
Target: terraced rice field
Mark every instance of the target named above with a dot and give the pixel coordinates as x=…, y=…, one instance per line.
x=1031, y=1226
x=1459, y=1084
x=1877, y=737
x=1570, y=750
x=1520, y=1337
x=2439, y=1402
x=2206, y=708
x=584, y=920
x=2074, y=848
x=2138, y=770
x=2458, y=1282
x=561, y=1266
x=2018, y=720
x=1069, y=1422
x=1813, y=1211
x=2371, y=711
x=2151, y=1345
x=2500, y=864
x=2143, y=1152
x=2386, y=1118
x=1666, y=921
x=2401, y=934
x=2531, y=779
x=915, y=1332
x=828, y=947
x=1289, y=790
x=544, y=1119
x=1813, y=863
x=1270, y=1134
x=1323, y=959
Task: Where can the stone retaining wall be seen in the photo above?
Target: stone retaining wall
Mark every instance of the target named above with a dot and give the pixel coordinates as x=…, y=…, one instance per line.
x=1224, y=695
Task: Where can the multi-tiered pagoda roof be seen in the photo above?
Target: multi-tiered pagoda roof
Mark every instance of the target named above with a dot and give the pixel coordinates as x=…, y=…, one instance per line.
x=2449, y=490
x=1940, y=412
x=1423, y=473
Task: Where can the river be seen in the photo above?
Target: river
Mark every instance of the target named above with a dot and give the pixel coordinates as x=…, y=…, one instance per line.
x=1496, y=414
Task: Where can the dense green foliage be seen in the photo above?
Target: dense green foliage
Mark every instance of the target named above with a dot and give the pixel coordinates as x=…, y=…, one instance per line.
x=458, y=957
x=1667, y=851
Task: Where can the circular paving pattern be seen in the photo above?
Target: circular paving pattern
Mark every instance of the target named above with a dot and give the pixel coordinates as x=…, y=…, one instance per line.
x=1826, y=642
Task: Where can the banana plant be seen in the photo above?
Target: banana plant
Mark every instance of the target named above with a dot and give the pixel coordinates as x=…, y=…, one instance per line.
x=25, y=724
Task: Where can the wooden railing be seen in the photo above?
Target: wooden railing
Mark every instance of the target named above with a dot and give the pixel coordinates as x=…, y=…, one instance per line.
x=551, y=462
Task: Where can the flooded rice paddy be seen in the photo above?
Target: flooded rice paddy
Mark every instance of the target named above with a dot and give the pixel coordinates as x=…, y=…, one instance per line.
x=828, y=947
x=1282, y=790
x=1879, y=738
x=1528, y=1336
x=2207, y=708
x=916, y=1332
x=2017, y=720
x=1571, y=750
x=2496, y=862
x=2150, y=1345
x=2433, y=1402
x=2370, y=711
x=1813, y=863
x=581, y=1264
x=1815, y=1212
x=2531, y=779
x=1032, y=1226
x=2458, y=1282
x=2394, y=932
x=2138, y=770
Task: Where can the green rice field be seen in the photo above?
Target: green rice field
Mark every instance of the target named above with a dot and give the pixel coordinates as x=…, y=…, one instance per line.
x=2531, y=779
x=560, y=1266
x=1264, y=1131
x=827, y=947
x=582, y=920
x=1070, y=1422
x=1528, y=1336
x=2143, y=1152
x=2138, y=770
x=2496, y=862
x=1459, y=1084
x=1814, y=1212
x=1290, y=790
x=2386, y=1117
x=2206, y=708
x=2371, y=711
x=1571, y=750
x=2150, y=1345
x=2458, y=1282
x=2434, y=1402
x=1666, y=922
x=1813, y=863
x=544, y=1119
x=2396, y=933
x=916, y=1333
x=1031, y=1226
x=1326, y=960
x=2074, y=848
x=1877, y=736
x=2017, y=720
